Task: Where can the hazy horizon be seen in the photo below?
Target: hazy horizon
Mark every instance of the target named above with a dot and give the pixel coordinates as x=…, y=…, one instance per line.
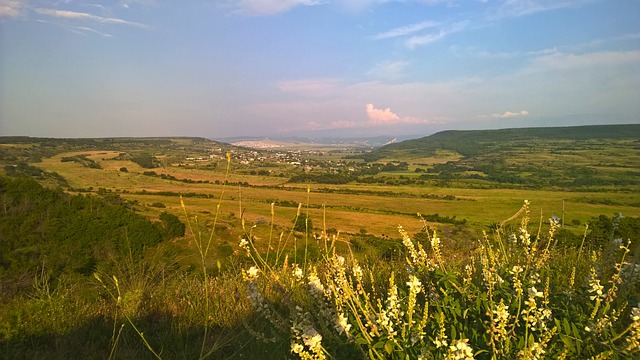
x=328, y=68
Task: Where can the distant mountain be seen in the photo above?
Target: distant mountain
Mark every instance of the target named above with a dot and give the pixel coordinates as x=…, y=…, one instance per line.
x=470, y=143
x=297, y=141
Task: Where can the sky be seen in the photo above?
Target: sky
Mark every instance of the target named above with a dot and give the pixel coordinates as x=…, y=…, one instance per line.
x=348, y=68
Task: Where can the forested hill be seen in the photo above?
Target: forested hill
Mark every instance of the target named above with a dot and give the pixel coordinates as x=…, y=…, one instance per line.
x=70, y=233
x=476, y=142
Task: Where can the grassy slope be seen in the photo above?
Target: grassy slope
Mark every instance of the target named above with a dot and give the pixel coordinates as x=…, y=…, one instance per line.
x=476, y=142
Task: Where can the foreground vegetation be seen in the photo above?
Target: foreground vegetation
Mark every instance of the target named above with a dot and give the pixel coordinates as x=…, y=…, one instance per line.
x=517, y=292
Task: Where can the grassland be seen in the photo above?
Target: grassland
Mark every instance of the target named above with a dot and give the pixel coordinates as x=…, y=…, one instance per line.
x=378, y=208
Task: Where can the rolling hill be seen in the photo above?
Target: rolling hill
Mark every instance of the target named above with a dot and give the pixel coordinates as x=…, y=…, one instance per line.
x=471, y=143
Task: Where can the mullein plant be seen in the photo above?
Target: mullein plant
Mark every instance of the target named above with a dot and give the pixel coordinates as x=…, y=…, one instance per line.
x=504, y=303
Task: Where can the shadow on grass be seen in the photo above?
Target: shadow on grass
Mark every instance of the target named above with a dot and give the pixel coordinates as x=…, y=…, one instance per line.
x=94, y=340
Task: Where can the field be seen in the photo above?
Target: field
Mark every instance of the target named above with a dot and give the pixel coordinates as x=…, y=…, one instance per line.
x=377, y=208
x=189, y=291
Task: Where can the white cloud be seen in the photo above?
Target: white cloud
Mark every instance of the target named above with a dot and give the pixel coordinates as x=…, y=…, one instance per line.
x=270, y=7
x=85, y=29
x=563, y=61
x=405, y=30
x=74, y=15
x=388, y=117
x=11, y=8
x=515, y=8
x=509, y=114
x=381, y=116
x=419, y=40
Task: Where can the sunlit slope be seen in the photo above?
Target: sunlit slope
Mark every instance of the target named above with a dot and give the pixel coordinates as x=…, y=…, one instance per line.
x=478, y=142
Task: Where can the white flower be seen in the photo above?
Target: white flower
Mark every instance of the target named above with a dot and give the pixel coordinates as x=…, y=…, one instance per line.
x=635, y=314
x=440, y=343
x=501, y=312
x=252, y=273
x=414, y=284
x=311, y=338
x=297, y=272
x=535, y=293
x=460, y=350
x=342, y=324
x=315, y=284
x=357, y=272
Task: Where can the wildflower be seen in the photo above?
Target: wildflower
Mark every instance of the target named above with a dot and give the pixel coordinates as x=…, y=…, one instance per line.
x=595, y=287
x=357, y=272
x=251, y=274
x=311, y=338
x=414, y=284
x=342, y=324
x=460, y=350
x=633, y=340
x=441, y=337
x=297, y=272
x=535, y=293
x=297, y=348
x=435, y=245
x=501, y=319
x=244, y=244
x=525, y=237
x=315, y=284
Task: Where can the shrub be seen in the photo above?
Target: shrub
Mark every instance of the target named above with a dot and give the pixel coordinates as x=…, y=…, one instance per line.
x=302, y=223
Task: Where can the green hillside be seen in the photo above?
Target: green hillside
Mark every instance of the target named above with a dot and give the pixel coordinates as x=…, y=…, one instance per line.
x=476, y=142
x=603, y=157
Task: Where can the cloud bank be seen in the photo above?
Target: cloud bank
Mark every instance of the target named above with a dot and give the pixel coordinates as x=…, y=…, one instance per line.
x=11, y=8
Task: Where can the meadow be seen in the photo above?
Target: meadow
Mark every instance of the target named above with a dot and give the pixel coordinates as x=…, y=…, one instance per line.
x=248, y=264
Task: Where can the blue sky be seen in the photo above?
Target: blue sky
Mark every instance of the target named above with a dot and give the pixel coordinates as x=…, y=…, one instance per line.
x=314, y=67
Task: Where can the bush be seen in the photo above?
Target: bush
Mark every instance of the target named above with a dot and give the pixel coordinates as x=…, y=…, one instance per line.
x=172, y=225
x=302, y=223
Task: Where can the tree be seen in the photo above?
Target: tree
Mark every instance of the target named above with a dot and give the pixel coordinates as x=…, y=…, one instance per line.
x=302, y=223
x=172, y=225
